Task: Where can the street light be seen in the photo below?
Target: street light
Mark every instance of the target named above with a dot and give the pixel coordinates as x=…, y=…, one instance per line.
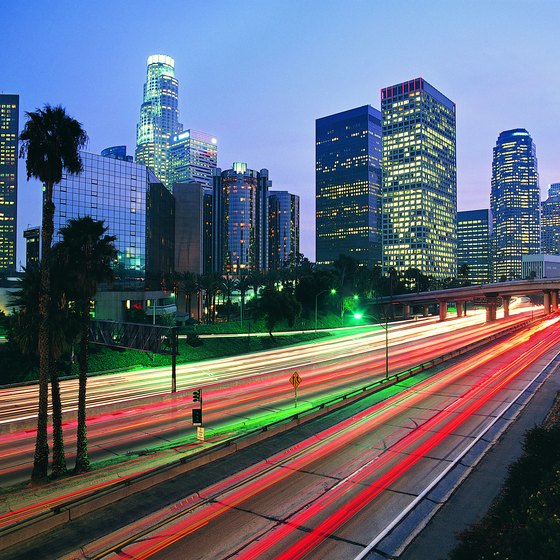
x=385, y=326
x=332, y=291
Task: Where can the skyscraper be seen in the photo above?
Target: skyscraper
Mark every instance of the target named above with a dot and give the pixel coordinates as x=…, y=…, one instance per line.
x=348, y=186
x=135, y=207
x=514, y=202
x=9, y=130
x=474, y=229
x=240, y=220
x=192, y=157
x=550, y=221
x=419, y=179
x=159, y=116
x=283, y=229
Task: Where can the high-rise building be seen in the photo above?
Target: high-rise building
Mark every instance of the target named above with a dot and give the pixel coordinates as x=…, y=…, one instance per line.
x=9, y=131
x=514, y=202
x=32, y=237
x=192, y=157
x=240, y=220
x=193, y=237
x=134, y=206
x=474, y=230
x=419, y=179
x=348, y=186
x=550, y=221
x=159, y=116
x=283, y=229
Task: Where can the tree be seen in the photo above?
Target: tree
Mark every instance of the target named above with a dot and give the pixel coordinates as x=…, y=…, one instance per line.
x=189, y=286
x=50, y=143
x=463, y=274
x=88, y=255
x=276, y=306
x=209, y=284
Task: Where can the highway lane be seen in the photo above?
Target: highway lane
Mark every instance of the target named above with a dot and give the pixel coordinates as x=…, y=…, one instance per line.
x=234, y=401
x=21, y=402
x=329, y=496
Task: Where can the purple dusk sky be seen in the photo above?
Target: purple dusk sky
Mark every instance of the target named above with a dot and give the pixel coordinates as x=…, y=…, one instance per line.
x=257, y=74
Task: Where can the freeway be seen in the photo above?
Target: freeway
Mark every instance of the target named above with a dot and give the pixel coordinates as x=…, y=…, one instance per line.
x=238, y=392
x=341, y=491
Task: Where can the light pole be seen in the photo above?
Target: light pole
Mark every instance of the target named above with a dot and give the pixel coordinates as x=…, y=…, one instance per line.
x=332, y=291
x=386, y=328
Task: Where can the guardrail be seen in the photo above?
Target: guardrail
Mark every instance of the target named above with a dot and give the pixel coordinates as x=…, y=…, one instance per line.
x=74, y=508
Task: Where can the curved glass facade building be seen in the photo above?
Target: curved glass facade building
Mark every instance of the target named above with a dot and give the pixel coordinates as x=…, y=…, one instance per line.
x=240, y=220
x=159, y=116
x=419, y=179
x=515, y=202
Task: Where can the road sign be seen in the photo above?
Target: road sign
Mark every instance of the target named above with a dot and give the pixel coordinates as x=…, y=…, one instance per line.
x=197, y=416
x=295, y=380
x=200, y=433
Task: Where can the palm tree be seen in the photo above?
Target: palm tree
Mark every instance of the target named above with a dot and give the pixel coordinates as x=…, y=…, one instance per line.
x=189, y=286
x=61, y=335
x=243, y=286
x=208, y=283
x=89, y=254
x=226, y=287
x=50, y=143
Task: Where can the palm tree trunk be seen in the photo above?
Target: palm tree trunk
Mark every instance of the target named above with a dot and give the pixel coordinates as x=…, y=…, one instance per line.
x=58, y=458
x=41, y=457
x=82, y=458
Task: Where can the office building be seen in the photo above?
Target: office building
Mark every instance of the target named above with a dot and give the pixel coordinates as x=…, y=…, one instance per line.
x=193, y=234
x=348, y=186
x=474, y=230
x=540, y=266
x=159, y=116
x=240, y=220
x=32, y=237
x=514, y=202
x=283, y=229
x=550, y=221
x=116, y=152
x=134, y=206
x=419, y=180
x=9, y=131
x=193, y=156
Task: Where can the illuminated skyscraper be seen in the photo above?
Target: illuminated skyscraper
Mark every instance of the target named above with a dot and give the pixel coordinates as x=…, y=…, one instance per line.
x=192, y=157
x=283, y=229
x=240, y=220
x=419, y=179
x=159, y=116
x=515, y=202
x=9, y=130
x=348, y=186
x=550, y=221
x=474, y=229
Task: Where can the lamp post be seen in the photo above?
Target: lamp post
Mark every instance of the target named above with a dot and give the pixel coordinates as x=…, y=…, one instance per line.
x=386, y=328
x=332, y=291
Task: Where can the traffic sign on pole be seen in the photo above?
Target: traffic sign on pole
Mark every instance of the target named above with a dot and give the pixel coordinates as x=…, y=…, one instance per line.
x=295, y=380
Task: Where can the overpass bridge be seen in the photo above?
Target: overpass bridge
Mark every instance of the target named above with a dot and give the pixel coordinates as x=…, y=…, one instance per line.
x=487, y=294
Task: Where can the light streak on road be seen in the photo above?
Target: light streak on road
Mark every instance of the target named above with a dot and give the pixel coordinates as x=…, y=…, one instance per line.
x=359, y=487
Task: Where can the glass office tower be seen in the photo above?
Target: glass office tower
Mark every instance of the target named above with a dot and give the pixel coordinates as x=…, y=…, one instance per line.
x=348, y=186
x=550, y=221
x=474, y=231
x=283, y=229
x=419, y=179
x=32, y=237
x=159, y=116
x=135, y=207
x=514, y=202
x=240, y=220
x=9, y=131
x=192, y=157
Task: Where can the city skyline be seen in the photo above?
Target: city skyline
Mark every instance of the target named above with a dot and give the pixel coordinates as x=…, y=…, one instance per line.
x=471, y=53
